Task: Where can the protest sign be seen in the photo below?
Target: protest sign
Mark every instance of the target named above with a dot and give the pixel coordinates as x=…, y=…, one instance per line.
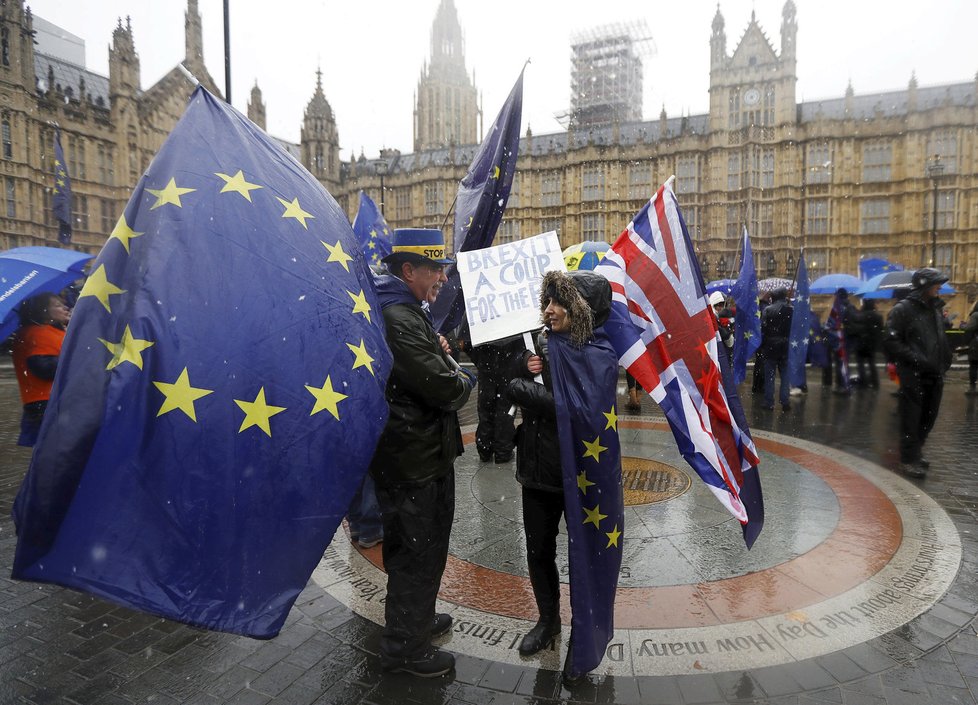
x=501, y=285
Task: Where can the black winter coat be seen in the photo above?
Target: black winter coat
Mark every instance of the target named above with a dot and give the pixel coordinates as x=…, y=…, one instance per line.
x=537, y=446
x=915, y=338
x=776, y=329
x=422, y=437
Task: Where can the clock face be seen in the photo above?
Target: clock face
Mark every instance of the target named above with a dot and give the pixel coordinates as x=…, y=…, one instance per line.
x=752, y=96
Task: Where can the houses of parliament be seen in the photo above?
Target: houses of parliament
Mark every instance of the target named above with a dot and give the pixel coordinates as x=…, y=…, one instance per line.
x=857, y=176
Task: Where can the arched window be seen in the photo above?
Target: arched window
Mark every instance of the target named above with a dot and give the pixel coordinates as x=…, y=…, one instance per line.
x=8, y=145
x=5, y=46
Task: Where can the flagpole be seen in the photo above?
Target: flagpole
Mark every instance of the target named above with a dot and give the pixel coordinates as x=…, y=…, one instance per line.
x=227, y=54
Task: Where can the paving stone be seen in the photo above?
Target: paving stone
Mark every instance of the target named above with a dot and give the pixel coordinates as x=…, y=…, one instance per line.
x=699, y=689
x=502, y=676
x=276, y=679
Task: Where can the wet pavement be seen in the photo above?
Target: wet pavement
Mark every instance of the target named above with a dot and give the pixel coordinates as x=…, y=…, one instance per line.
x=862, y=588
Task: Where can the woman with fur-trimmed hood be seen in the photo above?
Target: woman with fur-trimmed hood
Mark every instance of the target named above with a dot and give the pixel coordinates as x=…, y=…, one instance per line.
x=574, y=306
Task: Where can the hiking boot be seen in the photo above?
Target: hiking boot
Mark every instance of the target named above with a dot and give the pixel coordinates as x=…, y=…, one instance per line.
x=431, y=664
x=441, y=625
x=540, y=636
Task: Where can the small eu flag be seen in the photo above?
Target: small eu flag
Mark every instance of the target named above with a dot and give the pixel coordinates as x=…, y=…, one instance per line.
x=747, y=322
x=220, y=390
x=371, y=230
x=800, y=326
x=61, y=193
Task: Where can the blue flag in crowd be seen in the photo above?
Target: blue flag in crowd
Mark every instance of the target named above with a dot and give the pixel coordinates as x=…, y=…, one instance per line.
x=800, y=326
x=372, y=231
x=747, y=322
x=220, y=390
x=585, y=381
x=61, y=193
x=481, y=200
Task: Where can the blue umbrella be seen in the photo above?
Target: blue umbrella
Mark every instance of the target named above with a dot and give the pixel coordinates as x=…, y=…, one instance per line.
x=830, y=283
x=883, y=286
x=25, y=271
x=722, y=285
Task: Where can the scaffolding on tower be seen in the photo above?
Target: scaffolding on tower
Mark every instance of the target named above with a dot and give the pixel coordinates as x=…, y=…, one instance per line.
x=607, y=74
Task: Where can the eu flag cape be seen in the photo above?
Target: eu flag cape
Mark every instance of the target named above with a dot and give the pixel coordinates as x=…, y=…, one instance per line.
x=219, y=394
x=481, y=200
x=372, y=231
x=747, y=321
x=800, y=326
x=585, y=381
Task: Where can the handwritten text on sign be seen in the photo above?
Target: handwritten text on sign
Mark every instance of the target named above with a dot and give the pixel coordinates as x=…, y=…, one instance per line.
x=501, y=285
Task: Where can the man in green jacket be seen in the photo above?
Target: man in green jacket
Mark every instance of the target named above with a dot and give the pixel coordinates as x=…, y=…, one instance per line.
x=414, y=465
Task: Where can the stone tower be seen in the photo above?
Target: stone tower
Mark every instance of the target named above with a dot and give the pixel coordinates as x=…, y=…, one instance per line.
x=16, y=45
x=446, y=109
x=319, y=142
x=755, y=86
x=256, y=108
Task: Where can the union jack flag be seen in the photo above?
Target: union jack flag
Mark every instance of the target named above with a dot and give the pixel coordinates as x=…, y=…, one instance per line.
x=666, y=336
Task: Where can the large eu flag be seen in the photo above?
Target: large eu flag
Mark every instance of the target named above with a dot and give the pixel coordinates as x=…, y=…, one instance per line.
x=747, y=321
x=372, y=231
x=61, y=192
x=585, y=381
x=220, y=391
x=481, y=200
x=800, y=326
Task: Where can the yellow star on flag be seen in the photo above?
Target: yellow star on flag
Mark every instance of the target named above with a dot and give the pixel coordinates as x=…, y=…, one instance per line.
x=128, y=349
x=180, y=395
x=123, y=233
x=336, y=254
x=293, y=210
x=238, y=184
x=363, y=359
x=360, y=304
x=100, y=287
x=594, y=516
x=582, y=482
x=613, y=537
x=495, y=172
x=257, y=413
x=326, y=398
x=169, y=194
x=594, y=449
x=612, y=419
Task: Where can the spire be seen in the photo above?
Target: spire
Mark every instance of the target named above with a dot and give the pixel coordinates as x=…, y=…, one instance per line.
x=256, y=108
x=194, y=35
x=319, y=106
x=718, y=21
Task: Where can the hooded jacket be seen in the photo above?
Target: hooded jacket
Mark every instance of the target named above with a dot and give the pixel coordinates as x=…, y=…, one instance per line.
x=915, y=338
x=587, y=298
x=422, y=437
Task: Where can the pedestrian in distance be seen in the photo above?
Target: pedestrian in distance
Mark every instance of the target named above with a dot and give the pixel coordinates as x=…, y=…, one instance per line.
x=971, y=341
x=916, y=343
x=775, y=331
x=36, y=349
x=413, y=466
x=869, y=324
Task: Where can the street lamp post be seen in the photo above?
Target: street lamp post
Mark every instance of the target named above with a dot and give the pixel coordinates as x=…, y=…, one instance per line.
x=934, y=170
x=382, y=166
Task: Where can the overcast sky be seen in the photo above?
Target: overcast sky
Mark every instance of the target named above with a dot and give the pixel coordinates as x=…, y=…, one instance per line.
x=372, y=51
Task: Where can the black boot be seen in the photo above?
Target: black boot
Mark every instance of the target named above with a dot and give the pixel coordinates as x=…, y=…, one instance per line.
x=569, y=678
x=542, y=633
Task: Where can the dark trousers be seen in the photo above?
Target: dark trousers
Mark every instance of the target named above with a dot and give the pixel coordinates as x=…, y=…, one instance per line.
x=777, y=363
x=495, y=433
x=920, y=399
x=972, y=372
x=417, y=525
x=866, y=369
x=757, y=381
x=541, y=520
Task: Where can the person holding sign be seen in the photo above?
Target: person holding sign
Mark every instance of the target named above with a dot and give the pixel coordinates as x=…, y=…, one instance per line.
x=413, y=466
x=575, y=402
